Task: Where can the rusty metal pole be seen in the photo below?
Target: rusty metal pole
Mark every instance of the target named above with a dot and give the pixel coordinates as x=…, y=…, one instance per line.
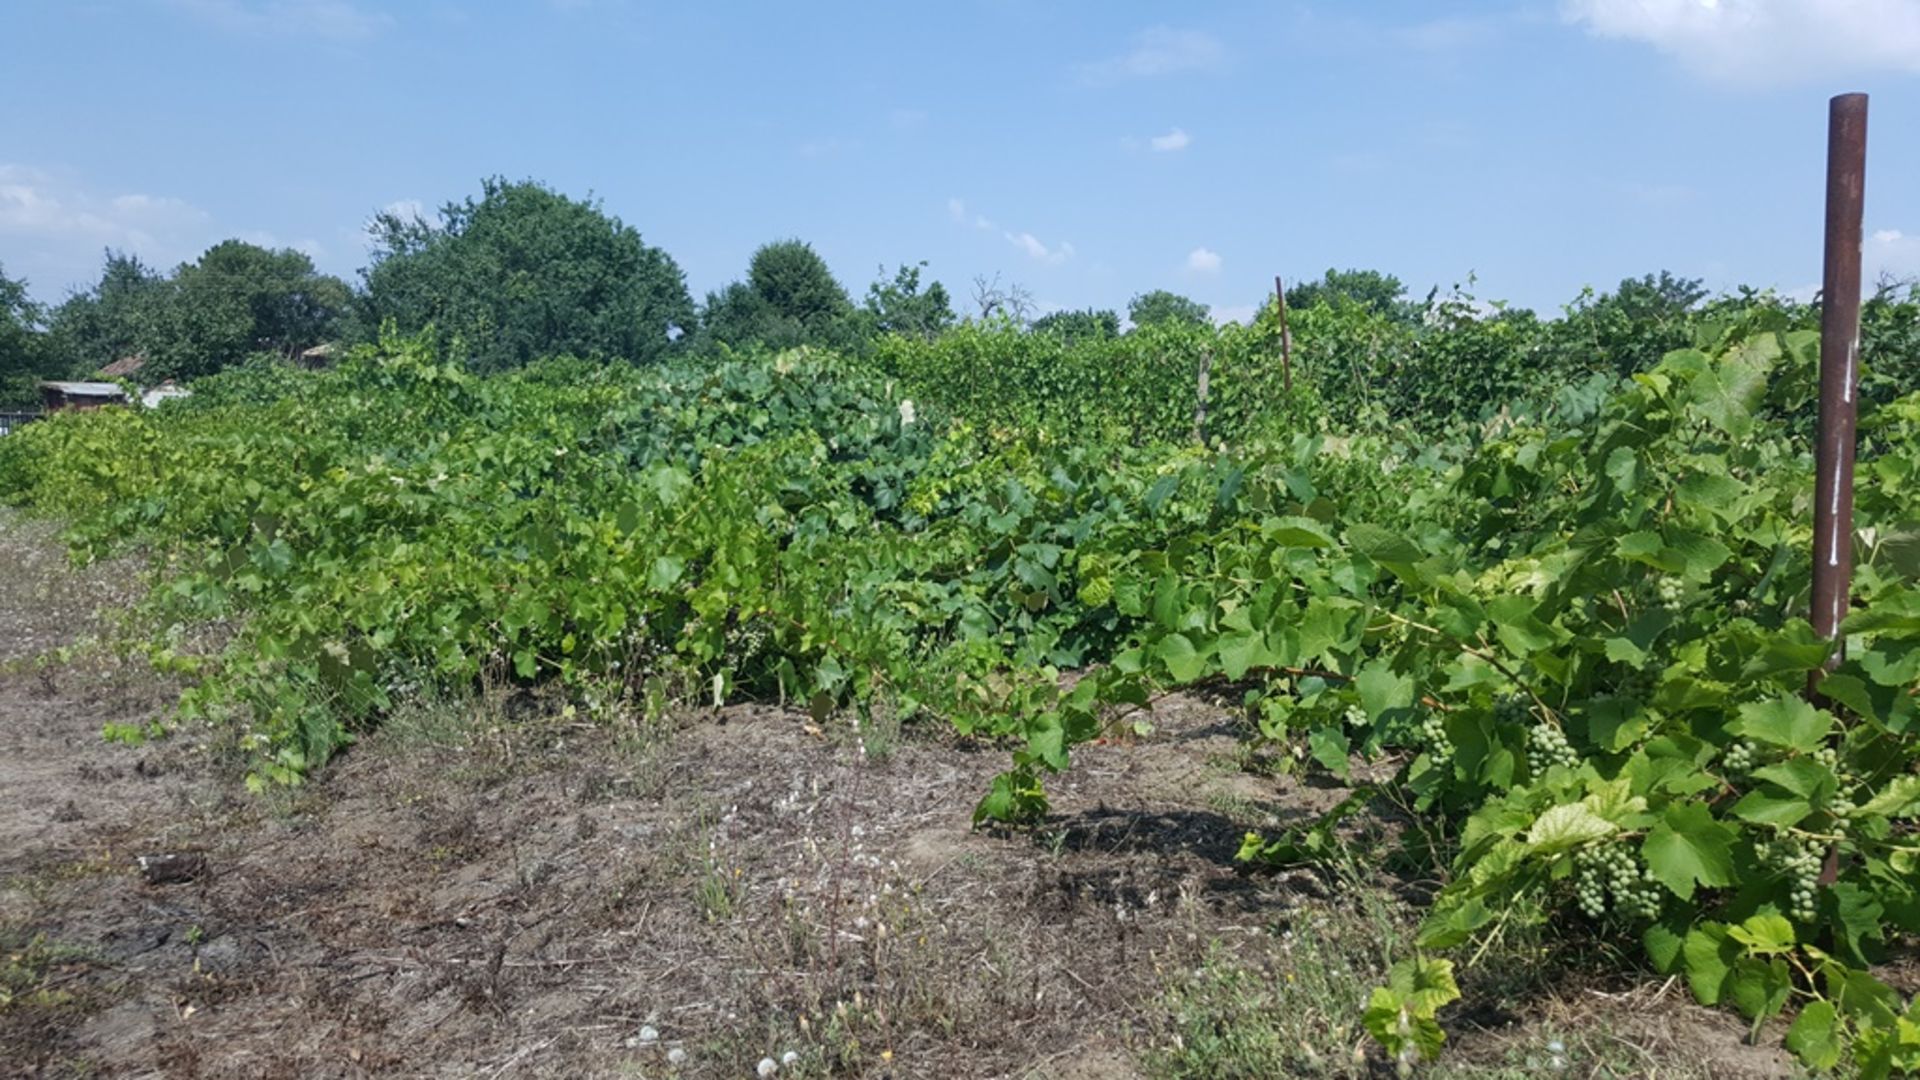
x=1286, y=338
x=1839, y=366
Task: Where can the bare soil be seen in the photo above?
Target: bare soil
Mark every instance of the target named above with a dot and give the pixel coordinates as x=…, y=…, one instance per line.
x=505, y=889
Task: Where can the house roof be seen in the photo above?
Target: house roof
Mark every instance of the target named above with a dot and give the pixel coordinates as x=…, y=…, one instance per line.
x=124, y=367
x=86, y=389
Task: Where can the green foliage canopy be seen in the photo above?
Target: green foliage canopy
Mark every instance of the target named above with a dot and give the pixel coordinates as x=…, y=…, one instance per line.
x=1373, y=291
x=24, y=358
x=236, y=300
x=118, y=317
x=790, y=298
x=901, y=306
x=1160, y=306
x=525, y=272
x=1077, y=326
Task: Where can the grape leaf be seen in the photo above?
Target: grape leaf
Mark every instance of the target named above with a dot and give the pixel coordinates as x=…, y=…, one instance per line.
x=1688, y=848
x=1783, y=721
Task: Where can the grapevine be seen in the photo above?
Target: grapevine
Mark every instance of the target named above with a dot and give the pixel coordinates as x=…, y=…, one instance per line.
x=1538, y=622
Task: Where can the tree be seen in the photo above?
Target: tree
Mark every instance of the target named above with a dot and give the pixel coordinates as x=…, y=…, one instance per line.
x=1382, y=294
x=24, y=357
x=738, y=317
x=1161, y=306
x=236, y=300
x=1631, y=328
x=992, y=299
x=899, y=307
x=796, y=284
x=525, y=272
x=113, y=320
x=1077, y=326
x=790, y=298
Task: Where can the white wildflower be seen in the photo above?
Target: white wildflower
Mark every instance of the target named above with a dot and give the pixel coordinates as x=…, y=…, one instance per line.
x=766, y=1068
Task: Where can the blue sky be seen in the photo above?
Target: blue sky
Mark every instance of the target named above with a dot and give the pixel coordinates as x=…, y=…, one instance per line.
x=1089, y=151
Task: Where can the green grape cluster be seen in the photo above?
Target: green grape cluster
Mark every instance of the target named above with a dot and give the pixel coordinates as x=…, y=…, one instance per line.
x=1739, y=758
x=1433, y=735
x=1669, y=591
x=1798, y=860
x=1356, y=716
x=1635, y=685
x=1613, y=872
x=1512, y=709
x=1547, y=746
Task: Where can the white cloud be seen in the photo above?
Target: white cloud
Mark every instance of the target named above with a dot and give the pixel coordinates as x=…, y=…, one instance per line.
x=1031, y=244
x=1160, y=50
x=336, y=19
x=1170, y=142
x=1889, y=253
x=36, y=204
x=408, y=209
x=53, y=228
x=1035, y=248
x=957, y=210
x=1764, y=41
x=1203, y=261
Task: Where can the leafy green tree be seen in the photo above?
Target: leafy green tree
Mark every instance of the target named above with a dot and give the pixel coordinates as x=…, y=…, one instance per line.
x=1631, y=328
x=236, y=300
x=1890, y=340
x=1074, y=327
x=114, y=319
x=901, y=307
x=790, y=298
x=24, y=357
x=525, y=272
x=796, y=283
x=1161, y=306
x=1382, y=294
x=738, y=317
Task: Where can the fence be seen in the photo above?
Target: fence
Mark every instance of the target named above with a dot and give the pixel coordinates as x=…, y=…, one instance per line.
x=11, y=420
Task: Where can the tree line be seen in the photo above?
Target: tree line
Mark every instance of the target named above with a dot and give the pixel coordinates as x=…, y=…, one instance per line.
x=522, y=272
x=518, y=273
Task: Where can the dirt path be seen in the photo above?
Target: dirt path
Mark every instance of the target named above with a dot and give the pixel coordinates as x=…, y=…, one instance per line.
x=502, y=889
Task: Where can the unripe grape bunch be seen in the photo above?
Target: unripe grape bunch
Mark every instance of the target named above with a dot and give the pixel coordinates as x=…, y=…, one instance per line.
x=1433, y=735
x=1798, y=860
x=1738, y=758
x=1613, y=873
x=1636, y=685
x=1512, y=709
x=1669, y=591
x=1547, y=746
